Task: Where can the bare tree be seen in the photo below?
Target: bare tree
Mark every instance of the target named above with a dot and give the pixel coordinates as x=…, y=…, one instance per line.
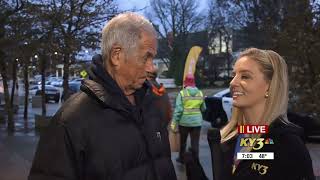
x=220, y=28
x=292, y=29
x=258, y=20
x=7, y=9
x=24, y=42
x=175, y=20
x=27, y=40
x=299, y=42
x=66, y=26
x=77, y=24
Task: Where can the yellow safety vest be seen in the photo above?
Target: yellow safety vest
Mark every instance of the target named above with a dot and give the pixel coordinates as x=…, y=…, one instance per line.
x=191, y=104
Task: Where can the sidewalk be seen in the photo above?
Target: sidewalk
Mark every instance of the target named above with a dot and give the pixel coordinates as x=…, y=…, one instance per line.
x=15, y=160
x=17, y=149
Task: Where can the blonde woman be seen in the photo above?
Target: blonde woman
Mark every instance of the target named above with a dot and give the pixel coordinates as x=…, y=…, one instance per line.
x=260, y=97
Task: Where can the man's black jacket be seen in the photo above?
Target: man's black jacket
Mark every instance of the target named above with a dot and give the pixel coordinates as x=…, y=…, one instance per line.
x=98, y=135
x=291, y=157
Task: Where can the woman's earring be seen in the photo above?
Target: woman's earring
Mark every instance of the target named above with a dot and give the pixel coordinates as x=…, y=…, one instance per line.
x=266, y=95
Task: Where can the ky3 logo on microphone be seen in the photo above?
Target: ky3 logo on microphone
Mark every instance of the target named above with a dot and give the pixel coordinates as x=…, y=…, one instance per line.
x=262, y=169
x=255, y=143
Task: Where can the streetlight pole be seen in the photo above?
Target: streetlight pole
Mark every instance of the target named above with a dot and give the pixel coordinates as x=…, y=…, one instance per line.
x=55, y=58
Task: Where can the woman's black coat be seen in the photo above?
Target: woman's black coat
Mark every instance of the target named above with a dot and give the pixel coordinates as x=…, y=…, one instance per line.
x=291, y=157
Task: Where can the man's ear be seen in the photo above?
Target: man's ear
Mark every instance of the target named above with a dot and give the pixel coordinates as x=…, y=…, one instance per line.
x=115, y=55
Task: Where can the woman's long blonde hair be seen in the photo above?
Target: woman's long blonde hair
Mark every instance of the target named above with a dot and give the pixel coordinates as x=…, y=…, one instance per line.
x=274, y=68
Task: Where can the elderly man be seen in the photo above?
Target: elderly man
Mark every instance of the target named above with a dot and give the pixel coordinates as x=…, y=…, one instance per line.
x=111, y=129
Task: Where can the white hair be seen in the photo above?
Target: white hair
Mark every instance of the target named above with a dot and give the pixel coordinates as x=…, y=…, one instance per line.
x=124, y=30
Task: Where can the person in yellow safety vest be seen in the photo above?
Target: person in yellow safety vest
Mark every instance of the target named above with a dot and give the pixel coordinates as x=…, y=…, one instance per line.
x=187, y=116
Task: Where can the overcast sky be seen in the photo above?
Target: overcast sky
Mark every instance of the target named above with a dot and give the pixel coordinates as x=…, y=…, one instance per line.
x=140, y=4
x=129, y=4
x=137, y=4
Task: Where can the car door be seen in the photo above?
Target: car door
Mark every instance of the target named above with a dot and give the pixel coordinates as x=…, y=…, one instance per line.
x=227, y=104
x=33, y=90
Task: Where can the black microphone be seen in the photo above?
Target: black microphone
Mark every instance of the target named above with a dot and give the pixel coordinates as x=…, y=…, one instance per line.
x=214, y=139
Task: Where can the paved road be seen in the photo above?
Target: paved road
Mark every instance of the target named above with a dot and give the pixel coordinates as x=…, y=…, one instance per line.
x=16, y=151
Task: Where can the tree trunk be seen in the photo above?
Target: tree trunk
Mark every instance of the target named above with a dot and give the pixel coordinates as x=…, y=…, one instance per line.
x=43, y=81
x=66, y=63
x=8, y=106
x=26, y=88
x=14, y=81
x=228, y=58
x=220, y=42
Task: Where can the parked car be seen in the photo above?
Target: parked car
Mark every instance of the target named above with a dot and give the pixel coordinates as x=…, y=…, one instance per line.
x=219, y=108
x=56, y=82
x=310, y=125
x=76, y=80
x=51, y=92
x=46, y=83
x=74, y=87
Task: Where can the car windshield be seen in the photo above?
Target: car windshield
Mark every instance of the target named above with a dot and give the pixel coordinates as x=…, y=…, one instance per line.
x=33, y=88
x=49, y=88
x=223, y=93
x=74, y=87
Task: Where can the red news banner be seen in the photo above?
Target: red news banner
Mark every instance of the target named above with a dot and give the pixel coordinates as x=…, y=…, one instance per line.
x=255, y=143
x=253, y=129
